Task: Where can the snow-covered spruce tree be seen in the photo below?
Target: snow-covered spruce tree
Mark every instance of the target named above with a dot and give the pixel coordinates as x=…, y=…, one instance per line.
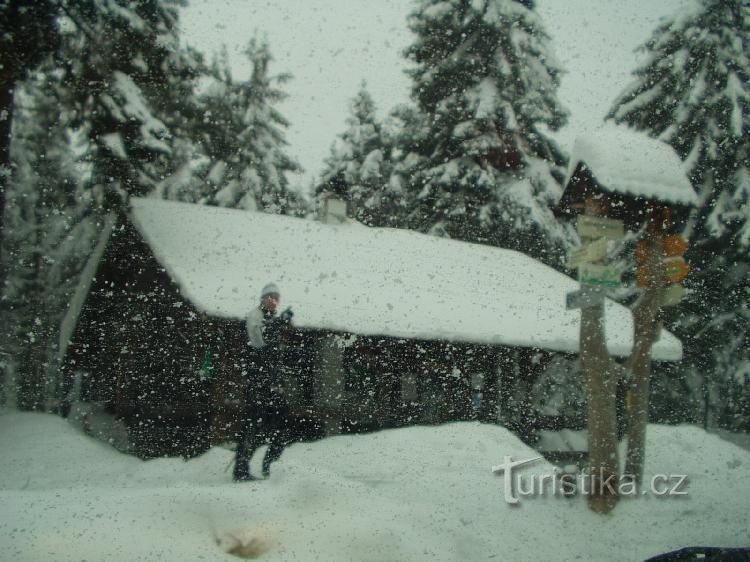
x=361, y=156
x=29, y=34
x=118, y=65
x=409, y=134
x=486, y=79
x=692, y=92
x=206, y=134
x=182, y=114
x=124, y=70
x=243, y=137
x=46, y=241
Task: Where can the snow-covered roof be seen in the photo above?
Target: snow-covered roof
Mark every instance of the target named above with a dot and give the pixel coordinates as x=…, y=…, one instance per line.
x=371, y=281
x=629, y=162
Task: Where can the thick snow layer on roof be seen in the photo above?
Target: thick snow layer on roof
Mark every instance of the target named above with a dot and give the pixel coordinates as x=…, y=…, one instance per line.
x=626, y=161
x=371, y=281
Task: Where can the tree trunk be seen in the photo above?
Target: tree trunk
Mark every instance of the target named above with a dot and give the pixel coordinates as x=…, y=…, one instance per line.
x=646, y=327
x=30, y=380
x=6, y=123
x=33, y=383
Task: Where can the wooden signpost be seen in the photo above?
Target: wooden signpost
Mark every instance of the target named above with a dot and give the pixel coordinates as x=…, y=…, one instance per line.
x=602, y=212
x=659, y=269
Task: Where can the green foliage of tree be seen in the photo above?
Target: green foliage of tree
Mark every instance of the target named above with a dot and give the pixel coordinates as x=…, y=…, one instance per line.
x=360, y=158
x=484, y=170
x=29, y=34
x=242, y=135
x=125, y=76
x=692, y=91
x=47, y=239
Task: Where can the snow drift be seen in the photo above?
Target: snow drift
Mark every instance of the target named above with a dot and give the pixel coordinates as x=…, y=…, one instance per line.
x=408, y=494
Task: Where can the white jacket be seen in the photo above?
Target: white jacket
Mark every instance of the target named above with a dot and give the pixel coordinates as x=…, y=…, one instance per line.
x=254, y=325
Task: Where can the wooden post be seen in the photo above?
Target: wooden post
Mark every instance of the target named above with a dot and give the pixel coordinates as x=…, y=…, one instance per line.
x=600, y=377
x=601, y=388
x=506, y=373
x=488, y=411
x=646, y=326
x=329, y=387
x=529, y=374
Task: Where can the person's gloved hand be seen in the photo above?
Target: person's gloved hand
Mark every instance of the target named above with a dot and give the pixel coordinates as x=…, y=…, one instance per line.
x=286, y=316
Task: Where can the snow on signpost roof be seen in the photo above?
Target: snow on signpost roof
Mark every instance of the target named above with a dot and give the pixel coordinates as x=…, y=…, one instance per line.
x=629, y=162
x=371, y=281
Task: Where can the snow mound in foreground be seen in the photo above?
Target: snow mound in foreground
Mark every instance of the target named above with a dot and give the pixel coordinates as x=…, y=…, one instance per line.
x=408, y=494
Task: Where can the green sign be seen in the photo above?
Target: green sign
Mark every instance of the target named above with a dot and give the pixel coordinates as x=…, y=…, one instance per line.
x=599, y=275
x=207, y=365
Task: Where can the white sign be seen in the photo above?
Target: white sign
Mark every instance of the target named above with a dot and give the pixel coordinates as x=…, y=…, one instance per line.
x=599, y=227
x=588, y=253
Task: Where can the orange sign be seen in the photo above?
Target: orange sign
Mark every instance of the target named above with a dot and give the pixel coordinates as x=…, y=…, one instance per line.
x=675, y=268
x=674, y=245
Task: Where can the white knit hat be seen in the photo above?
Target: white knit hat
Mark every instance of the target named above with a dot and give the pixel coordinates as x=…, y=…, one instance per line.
x=270, y=289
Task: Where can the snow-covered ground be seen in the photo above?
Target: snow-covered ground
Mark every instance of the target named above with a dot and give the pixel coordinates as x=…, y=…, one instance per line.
x=420, y=493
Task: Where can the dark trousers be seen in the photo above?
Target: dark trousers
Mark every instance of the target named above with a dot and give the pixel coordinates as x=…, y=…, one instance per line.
x=260, y=427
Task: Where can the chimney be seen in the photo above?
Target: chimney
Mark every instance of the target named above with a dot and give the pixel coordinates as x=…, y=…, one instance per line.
x=332, y=209
x=333, y=194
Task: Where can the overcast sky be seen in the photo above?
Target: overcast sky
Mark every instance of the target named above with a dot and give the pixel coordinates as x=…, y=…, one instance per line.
x=331, y=46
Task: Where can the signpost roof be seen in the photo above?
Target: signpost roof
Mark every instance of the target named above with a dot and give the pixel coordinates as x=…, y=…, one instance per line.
x=628, y=168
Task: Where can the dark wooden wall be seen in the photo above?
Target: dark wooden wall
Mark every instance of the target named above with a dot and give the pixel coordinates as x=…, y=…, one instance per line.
x=138, y=346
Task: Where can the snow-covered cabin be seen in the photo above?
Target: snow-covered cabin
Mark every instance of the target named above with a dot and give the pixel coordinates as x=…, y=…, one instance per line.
x=391, y=326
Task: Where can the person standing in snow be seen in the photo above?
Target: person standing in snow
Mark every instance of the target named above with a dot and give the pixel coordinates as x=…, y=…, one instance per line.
x=266, y=409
